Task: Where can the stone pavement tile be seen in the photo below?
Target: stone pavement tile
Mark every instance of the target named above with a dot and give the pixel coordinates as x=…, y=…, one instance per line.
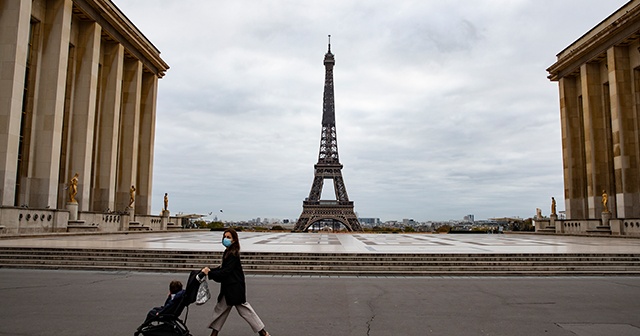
x=339, y=243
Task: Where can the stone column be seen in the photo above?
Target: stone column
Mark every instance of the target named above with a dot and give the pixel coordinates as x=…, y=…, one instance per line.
x=625, y=133
x=129, y=129
x=597, y=130
x=84, y=107
x=146, y=142
x=15, y=19
x=575, y=189
x=49, y=111
x=107, y=127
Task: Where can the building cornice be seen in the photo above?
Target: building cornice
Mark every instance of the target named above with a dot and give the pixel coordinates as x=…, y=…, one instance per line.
x=619, y=28
x=121, y=29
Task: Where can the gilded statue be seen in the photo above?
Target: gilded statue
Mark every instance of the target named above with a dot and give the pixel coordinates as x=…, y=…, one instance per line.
x=605, y=201
x=553, y=206
x=166, y=201
x=132, y=196
x=73, y=189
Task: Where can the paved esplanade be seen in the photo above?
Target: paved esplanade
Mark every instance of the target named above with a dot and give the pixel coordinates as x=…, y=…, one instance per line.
x=341, y=243
x=37, y=302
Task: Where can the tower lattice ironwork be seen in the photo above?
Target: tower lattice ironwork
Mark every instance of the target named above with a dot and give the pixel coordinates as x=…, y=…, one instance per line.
x=315, y=210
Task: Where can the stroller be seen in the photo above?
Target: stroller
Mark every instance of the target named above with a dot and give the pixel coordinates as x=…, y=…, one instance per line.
x=169, y=323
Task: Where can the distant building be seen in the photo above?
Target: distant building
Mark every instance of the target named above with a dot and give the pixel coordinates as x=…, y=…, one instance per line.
x=502, y=220
x=408, y=222
x=370, y=221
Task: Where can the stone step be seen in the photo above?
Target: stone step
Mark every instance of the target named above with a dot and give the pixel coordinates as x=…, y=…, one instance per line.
x=367, y=272
x=304, y=257
x=327, y=264
x=315, y=256
x=252, y=264
x=346, y=262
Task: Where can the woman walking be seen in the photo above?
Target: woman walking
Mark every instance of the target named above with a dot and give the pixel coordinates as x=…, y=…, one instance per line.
x=232, y=287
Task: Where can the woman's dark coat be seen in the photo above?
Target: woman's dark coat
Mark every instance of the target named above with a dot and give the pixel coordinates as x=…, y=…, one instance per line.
x=231, y=279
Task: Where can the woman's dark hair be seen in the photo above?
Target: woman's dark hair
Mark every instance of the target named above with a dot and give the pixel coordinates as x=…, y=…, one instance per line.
x=235, y=246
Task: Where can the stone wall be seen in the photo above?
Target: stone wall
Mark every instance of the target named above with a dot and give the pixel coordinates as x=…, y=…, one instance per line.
x=626, y=227
x=15, y=221
x=104, y=222
x=617, y=227
x=578, y=226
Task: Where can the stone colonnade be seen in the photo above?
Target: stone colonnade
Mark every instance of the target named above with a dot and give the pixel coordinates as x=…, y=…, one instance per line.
x=78, y=87
x=599, y=82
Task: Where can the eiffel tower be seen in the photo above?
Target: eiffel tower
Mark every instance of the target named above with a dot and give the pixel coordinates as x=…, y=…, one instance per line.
x=324, y=212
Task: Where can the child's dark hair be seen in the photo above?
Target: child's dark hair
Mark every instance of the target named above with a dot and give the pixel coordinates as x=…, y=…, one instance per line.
x=175, y=286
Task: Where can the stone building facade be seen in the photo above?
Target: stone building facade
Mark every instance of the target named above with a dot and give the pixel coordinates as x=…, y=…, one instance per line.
x=599, y=81
x=78, y=89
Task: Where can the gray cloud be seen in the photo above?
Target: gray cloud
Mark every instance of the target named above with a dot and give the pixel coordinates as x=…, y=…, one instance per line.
x=443, y=108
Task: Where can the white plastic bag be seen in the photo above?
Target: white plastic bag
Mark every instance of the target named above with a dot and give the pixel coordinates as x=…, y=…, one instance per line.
x=203, y=293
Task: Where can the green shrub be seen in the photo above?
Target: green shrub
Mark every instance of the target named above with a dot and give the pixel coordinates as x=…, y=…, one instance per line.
x=215, y=226
x=444, y=229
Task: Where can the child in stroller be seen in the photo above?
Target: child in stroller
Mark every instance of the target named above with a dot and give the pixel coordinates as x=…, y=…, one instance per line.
x=176, y=293
x=165, y=320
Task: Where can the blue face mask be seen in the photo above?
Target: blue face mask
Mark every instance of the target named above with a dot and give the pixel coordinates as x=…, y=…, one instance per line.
x=226, y=242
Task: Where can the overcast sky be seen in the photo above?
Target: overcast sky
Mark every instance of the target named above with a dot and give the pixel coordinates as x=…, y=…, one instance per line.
x=443, y=108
